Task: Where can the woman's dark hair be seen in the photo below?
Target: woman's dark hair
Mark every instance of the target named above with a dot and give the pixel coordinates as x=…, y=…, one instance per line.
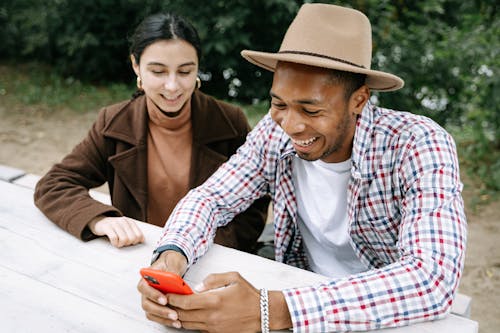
x=162, y=26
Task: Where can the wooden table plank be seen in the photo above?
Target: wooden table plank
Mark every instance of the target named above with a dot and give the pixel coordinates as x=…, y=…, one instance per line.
x=28, y=180
x=8, y=173
x=29, y=305
x=84, y=287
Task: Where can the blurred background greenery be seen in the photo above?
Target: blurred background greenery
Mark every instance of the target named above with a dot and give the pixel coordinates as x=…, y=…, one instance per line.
x=74, y=54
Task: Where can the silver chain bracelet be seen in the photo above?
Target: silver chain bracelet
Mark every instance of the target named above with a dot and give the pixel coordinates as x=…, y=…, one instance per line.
x=264, y=311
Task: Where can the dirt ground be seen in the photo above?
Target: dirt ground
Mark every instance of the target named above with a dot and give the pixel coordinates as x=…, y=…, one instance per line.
x=33, y=139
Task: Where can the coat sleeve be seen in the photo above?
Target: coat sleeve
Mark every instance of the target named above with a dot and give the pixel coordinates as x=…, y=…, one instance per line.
x=246, y=227
x=63, y=193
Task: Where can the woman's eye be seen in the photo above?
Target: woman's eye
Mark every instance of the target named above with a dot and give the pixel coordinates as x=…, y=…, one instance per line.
x=184, y=73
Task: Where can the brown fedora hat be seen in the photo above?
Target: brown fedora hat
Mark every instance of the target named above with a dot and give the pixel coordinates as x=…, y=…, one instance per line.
x=329, y=36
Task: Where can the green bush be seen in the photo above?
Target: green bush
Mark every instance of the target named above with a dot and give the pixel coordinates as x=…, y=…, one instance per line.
x=446, y=51
x=34, y=84
x=87, y=40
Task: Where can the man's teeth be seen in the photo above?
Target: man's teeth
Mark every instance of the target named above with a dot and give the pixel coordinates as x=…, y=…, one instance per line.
x=305, y=142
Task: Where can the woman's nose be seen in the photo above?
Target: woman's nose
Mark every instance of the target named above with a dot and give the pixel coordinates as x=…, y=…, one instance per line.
x=171, y=82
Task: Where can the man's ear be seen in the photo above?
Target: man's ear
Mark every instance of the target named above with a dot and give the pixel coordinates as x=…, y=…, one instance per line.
x=358, y=99
x=135, y=65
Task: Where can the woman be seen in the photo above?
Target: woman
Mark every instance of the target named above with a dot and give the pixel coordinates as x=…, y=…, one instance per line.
x=152, y=149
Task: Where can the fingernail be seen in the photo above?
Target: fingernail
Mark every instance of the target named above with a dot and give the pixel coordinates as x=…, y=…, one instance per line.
x=162, y=301
x=199, y=287
x=177, y=324
x=172, y=316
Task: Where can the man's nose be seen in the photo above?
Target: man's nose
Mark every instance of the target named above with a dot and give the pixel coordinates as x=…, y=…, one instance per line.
x=292, y=122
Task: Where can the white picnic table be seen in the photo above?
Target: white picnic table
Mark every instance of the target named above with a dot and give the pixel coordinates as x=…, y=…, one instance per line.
x=53, y=282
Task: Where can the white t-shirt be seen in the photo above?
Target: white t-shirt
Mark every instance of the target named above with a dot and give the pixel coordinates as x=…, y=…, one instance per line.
x=321, y=190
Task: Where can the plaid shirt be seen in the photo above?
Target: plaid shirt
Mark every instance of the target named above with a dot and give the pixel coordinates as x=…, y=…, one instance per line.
x=406, y=216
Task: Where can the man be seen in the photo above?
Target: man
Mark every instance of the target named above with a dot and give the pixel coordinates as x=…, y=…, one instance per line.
x=365, y=195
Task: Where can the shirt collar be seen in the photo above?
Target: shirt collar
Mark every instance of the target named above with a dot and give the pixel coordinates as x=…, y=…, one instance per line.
x=364, y=131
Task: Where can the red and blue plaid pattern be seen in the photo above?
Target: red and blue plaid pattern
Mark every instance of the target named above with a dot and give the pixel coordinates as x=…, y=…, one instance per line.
x=406, y=213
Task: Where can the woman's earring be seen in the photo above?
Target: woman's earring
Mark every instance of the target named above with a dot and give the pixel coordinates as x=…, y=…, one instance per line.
x=139, y=83
x=198, y=82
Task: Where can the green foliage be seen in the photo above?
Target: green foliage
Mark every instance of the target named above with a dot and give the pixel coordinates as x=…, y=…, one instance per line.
x=226, y=28
x=82, y=39
x=37, y=85
x=480, y=160
x=88, y=39
x=446, y=51
x=256, y=111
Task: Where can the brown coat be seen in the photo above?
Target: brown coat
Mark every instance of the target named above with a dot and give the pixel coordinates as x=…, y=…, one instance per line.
x=115, y=151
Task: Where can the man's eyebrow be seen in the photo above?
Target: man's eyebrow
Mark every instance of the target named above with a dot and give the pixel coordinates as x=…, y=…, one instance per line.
x=273, y=95
x=298, y=101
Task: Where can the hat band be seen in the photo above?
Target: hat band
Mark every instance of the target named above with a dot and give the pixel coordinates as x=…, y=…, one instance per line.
x=323, y=56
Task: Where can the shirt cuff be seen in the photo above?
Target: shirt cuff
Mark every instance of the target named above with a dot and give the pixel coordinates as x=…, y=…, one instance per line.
x=158, y=251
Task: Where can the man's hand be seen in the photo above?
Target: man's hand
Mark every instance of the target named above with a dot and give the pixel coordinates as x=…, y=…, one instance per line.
x=154, y=301
x=121, y=231
x=224, y=303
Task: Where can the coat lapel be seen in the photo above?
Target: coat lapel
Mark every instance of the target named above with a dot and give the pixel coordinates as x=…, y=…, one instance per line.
x=205, y=162
x=205, y=113
x=129, y=128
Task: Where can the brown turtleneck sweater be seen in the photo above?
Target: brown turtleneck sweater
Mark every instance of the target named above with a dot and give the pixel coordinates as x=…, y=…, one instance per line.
x=170, y=143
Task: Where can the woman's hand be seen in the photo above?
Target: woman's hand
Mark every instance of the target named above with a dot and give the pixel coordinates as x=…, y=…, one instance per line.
x=121, y=231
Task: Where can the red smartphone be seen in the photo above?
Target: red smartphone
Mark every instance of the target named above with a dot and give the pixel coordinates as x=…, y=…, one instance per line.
x=166, y=282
